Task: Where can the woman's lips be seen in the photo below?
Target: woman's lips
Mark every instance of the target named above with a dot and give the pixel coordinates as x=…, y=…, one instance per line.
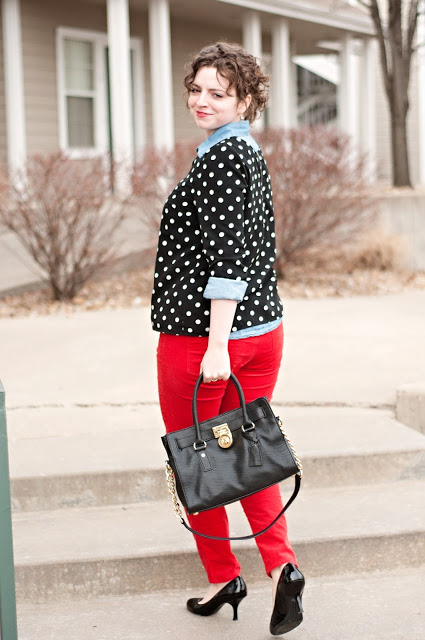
x=201, y=114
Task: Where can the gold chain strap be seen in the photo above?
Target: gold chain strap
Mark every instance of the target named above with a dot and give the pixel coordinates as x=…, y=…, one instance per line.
x=296, y=458
x=172, y=490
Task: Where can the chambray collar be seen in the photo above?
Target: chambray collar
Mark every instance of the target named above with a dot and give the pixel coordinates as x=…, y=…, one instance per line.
x=239, y=129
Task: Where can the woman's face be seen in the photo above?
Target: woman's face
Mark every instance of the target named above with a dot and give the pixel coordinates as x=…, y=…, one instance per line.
x=210, y=104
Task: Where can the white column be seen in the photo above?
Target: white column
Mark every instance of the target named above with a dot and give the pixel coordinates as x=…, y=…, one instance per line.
x=348, y=95
x=281, y=82
x=421, y=93
x=120, y=83
x=294, y=87
x=251, y=30
x=368, y=73
x=251, y=38
x=161, y=74
x=14, y=84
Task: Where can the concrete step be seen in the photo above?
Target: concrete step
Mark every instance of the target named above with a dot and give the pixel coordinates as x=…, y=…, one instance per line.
x=74, y=456
x=115, y=550
x=372, y=606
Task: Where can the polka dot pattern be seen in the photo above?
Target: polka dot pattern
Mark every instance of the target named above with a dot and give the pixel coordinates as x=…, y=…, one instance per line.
x=217, y=222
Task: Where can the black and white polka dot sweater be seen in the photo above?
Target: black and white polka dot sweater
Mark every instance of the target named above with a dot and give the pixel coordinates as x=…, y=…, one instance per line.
x=217, y=241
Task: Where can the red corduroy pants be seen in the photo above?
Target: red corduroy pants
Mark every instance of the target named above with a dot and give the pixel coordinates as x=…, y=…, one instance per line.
x=255, y=362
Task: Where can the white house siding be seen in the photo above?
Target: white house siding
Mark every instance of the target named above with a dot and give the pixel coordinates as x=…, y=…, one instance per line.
x=3, y=140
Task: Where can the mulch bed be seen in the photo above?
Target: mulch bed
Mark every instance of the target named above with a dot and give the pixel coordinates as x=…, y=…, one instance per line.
x=133, y=289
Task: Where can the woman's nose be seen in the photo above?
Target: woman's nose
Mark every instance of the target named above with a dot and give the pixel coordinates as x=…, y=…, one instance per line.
x=202, y=98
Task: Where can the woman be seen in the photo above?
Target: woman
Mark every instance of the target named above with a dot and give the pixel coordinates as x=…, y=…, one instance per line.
x=216, y=306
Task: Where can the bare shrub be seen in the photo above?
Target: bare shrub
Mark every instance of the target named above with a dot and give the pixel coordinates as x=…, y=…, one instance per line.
x=153, y=179
x=320, y=195
x=65, y=217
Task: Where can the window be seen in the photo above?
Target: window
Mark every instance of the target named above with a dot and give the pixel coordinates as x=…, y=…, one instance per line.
x=79, y=92
x=83, y=92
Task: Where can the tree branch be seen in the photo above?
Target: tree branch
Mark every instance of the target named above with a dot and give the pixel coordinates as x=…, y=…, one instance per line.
x=413, y=20
x=376, y=17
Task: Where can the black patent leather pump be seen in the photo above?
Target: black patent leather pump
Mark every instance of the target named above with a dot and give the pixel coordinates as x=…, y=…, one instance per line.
x=288, y=610
x=233, y=593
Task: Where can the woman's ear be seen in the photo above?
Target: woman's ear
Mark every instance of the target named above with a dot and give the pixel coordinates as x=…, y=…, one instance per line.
x=244, y=104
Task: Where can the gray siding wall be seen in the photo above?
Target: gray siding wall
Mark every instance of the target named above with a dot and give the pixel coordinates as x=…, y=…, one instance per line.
x=413, y=123
x=139, y=28
x=3, y=141
x=39, y=22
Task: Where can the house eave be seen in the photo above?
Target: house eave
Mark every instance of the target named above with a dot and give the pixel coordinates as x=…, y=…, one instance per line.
x=353, y=21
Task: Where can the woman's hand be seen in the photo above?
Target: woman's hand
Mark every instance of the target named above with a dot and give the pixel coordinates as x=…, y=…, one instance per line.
x=215, y=364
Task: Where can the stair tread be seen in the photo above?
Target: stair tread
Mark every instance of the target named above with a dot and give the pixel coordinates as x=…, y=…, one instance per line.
x=141, y=617
x=151, y=528
x=75, y=440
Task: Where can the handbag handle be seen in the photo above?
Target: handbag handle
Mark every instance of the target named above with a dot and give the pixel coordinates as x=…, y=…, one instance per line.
x=178, y=512
x=247, y=424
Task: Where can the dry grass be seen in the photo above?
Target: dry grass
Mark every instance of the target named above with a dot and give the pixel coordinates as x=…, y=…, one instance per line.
x=379, y=250
x=375, y=250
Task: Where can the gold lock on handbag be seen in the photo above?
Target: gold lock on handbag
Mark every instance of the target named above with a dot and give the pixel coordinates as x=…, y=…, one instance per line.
x=224, y=435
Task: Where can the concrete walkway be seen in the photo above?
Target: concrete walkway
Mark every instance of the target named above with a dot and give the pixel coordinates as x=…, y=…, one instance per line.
x=375, y=606
x=349, y=351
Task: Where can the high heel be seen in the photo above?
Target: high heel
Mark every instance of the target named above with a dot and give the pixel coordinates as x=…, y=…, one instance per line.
x=235, y=604
x=232, y=593
x=288, y=610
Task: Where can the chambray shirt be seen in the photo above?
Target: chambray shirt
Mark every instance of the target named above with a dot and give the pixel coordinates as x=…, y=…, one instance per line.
x=217, y=241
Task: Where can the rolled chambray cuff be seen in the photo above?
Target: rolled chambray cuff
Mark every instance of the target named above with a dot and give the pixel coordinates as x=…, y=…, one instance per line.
x=225, y=289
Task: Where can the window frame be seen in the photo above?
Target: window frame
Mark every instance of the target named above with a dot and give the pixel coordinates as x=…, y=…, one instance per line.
x=99, y=40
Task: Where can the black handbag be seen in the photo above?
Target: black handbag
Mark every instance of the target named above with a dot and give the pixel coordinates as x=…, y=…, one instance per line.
x=229, y=457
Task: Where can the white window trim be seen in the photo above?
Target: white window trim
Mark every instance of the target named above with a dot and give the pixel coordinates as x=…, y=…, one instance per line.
x=101, y=141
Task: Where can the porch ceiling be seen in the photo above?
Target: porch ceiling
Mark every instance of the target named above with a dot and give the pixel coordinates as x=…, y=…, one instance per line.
x=305, y=32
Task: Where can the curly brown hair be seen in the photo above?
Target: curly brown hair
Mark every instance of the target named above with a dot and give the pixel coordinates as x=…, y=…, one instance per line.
x=239, y=67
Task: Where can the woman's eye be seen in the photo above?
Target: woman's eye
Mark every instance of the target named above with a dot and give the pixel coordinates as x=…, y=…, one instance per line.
x=218, y=95
x=193, y=90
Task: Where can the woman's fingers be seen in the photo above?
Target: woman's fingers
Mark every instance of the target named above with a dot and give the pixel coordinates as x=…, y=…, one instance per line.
x=215, y=377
